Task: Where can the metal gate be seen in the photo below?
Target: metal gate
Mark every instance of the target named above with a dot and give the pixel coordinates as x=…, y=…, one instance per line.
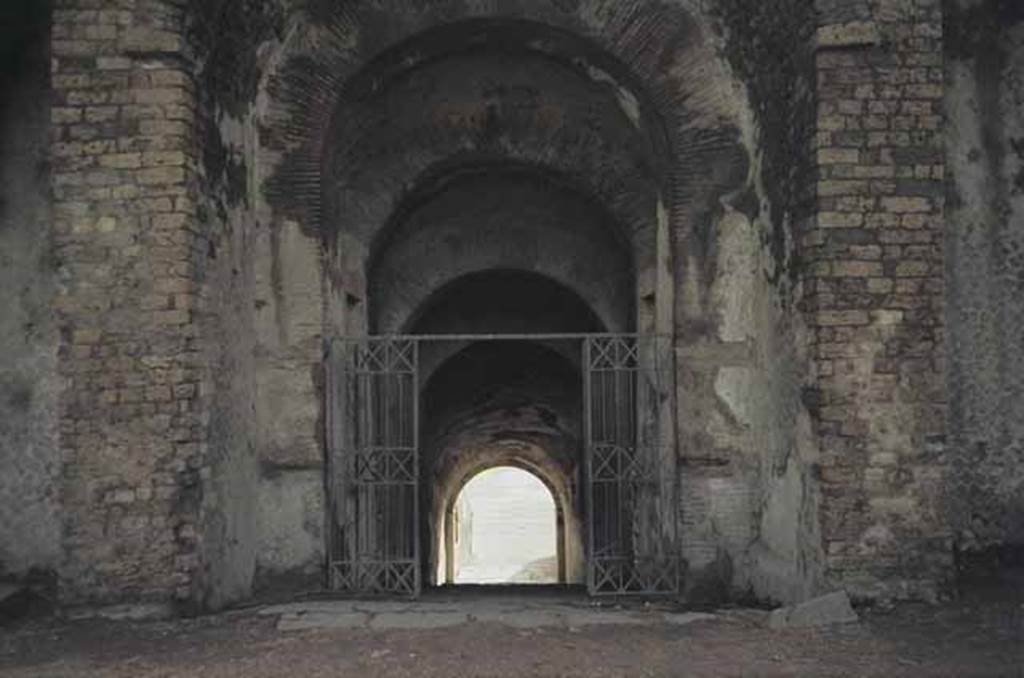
x=628, y=402
x=373, y=466
x=629, y=471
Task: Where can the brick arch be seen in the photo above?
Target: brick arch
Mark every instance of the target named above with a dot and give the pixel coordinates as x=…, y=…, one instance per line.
x=657, y=56
x=530, y=459
x=658, y=52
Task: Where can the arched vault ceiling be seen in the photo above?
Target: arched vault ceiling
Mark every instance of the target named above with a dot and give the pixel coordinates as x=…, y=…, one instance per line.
x=494, y=394
x=665, y=125
x=483, y=106
x=497, y=220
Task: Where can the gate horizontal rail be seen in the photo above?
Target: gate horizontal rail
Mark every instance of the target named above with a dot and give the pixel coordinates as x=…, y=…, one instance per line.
x=551, y=336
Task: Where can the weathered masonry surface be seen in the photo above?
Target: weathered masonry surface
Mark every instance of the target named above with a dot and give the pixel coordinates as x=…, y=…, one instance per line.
x=820, y=202
x=876, y=295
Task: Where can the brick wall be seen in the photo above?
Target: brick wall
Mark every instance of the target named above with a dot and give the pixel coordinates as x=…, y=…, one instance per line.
x=130, y=246
x=124, y=189
x=875, y=296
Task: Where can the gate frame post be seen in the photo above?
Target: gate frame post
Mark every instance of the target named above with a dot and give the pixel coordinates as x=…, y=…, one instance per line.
x=646, y=467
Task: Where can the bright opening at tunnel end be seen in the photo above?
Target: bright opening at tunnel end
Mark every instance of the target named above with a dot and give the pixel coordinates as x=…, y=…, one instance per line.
x=505, y=530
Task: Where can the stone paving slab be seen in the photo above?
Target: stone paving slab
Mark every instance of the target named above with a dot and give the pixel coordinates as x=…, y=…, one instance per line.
x=519, y=619
x=323, y=620
x=522, y=614
x=417, y=620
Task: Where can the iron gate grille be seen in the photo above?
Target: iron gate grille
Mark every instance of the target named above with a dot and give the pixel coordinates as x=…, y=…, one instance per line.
x=630, y=465
x=629, y=470
x=374, y=466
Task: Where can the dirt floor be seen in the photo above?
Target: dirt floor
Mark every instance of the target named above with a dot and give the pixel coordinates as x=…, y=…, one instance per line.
x=980, y=634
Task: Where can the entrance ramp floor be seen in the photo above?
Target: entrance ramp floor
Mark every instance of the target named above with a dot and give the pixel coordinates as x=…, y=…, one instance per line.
x=513, y=606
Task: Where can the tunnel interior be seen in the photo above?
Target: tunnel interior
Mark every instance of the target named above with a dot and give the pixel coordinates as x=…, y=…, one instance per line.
x=503, y=181
x=497, y=252
x=491, y=403
x=500, y=250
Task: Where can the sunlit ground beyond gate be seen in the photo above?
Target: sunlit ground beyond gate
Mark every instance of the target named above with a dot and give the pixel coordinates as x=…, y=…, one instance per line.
x=505, y=529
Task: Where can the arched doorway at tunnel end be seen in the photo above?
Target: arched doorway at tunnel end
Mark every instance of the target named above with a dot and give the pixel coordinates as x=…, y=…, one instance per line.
x=504, y=402
x=507, y=516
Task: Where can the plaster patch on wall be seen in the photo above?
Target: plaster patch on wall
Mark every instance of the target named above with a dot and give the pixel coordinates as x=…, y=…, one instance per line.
x=291, y=527
x=735, y=289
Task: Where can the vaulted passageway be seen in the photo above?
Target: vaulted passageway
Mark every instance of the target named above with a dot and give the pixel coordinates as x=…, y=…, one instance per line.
x=500, y=249
x=515, y=403
x=506, y=402
x=492, y=178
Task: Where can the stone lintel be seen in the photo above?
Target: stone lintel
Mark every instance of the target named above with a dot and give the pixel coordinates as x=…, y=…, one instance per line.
x=848, y=35
x=714, y=355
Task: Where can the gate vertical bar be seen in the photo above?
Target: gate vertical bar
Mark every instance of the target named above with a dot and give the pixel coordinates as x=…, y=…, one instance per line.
x=630, y=463
x=331, y=436
x=589, y=504
x=416, y=466
x=379, y=452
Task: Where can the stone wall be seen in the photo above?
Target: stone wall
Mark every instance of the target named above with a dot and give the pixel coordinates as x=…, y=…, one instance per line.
x=875, y=297
x=225, y=340
x=727, y=224
x=238, y=515
x=29, y=492
x=229, y=510
x=263, y=511
x=748, y=496
x=985, y=160
x=224, y=172
x=132, y=421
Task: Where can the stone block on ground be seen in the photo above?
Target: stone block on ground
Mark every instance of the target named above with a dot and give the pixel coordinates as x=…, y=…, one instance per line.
x=833, y=608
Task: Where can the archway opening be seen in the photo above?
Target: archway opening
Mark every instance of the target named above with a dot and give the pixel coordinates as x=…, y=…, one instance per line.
x=503, y=527
x=534, y=213
x=500, y=404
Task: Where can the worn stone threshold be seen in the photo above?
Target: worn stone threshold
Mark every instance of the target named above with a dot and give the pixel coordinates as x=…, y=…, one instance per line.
x=516, y=607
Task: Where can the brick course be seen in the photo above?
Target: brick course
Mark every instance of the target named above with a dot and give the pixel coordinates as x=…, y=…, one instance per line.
x=876, y=299
x=124, y=188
